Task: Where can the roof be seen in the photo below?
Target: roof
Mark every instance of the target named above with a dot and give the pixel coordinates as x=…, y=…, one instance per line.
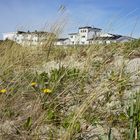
x=96, y=29
x=124, y=38
x=73, y=34
x=89, y=27
x=20, y=32
x=62, y=39
x=85, y=27
x=114, y=37
x=35, y=32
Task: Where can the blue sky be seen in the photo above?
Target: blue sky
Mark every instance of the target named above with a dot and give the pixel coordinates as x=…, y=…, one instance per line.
x=115, y=16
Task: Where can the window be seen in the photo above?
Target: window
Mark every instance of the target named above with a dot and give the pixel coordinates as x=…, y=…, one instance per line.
x=83, y=31
x=83, y=36
x=72, y=36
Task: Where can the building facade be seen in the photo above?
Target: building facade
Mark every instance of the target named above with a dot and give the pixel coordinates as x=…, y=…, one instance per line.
x=91, y=35
x=62, y=41
x=85, y=36
x=29, y=38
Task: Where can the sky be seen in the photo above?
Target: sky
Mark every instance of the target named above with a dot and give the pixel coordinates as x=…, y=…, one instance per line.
x=113, y=16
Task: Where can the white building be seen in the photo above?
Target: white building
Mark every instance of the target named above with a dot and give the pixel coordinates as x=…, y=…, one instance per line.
x=28, y=38
x=86, y=33
x=124, y=39
x=91, y=35
x=73, y=38
x=62, y=41
x=83, y=35
x=10, y=35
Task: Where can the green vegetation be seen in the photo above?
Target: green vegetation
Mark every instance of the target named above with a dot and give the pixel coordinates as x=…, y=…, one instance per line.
x=70, y=93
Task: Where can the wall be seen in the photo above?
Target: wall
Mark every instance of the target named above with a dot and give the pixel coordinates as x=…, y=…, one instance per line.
x=74, y=39
x=10, y=36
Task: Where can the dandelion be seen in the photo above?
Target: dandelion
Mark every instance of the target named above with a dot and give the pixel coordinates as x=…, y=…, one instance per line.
x=47, y=90
x=3, y=91
x=33, y=84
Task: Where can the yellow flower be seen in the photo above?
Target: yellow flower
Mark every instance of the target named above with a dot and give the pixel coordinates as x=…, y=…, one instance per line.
x=47, y=90
x=3, y=91
x=33, y=84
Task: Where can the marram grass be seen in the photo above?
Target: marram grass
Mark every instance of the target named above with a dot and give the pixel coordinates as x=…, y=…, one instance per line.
x=67, y=93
